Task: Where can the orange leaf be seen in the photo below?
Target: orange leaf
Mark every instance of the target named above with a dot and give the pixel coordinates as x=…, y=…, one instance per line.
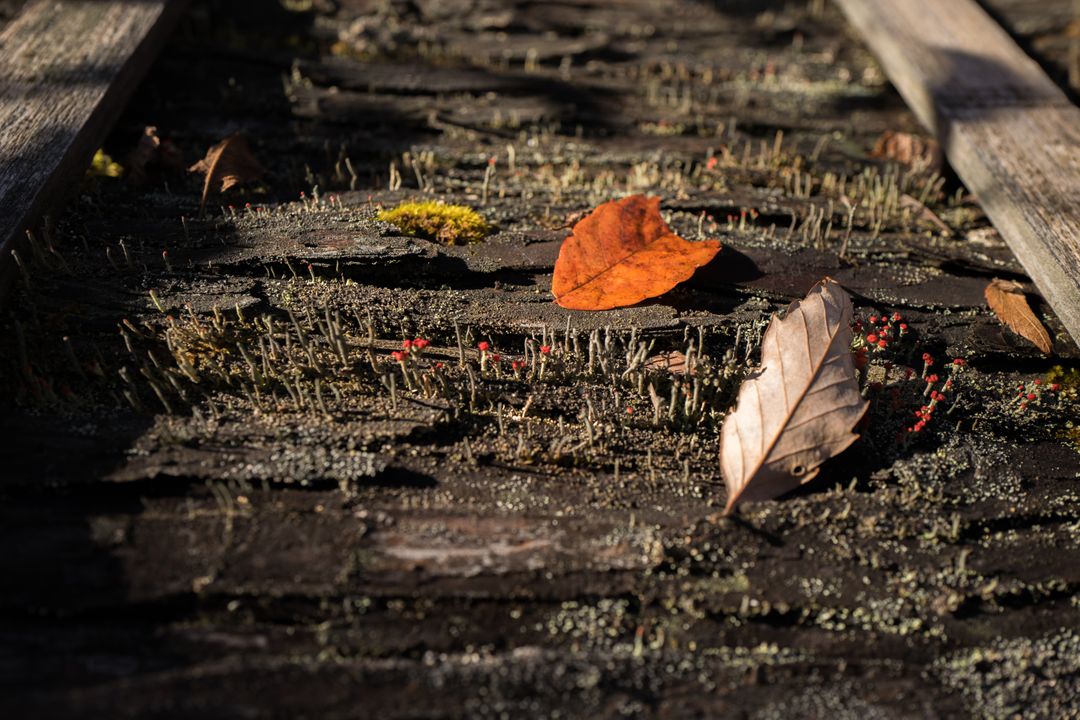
x=1006, y=299
x=623, y=253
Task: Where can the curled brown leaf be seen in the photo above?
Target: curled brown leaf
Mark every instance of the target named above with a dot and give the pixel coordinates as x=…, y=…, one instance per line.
x=150, y=154
x=673, y=362
x=924, y=213
x=908, y=149
x=1006, y=298
x=227, y=164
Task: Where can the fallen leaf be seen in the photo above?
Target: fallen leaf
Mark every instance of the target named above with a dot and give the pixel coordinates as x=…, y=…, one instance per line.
x=673, y=362
x=623, y=253
x=907, y=149
x=925, y=213
x=799, y=408
x=1006, y=298
x=151, y=152
x=227, y=164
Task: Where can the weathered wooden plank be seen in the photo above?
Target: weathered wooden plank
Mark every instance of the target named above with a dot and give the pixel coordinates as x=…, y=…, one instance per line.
x=1011, y=134
x=68, y=66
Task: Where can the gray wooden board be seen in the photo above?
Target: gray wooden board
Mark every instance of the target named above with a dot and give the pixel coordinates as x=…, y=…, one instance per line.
x=67, y=66
x=1011, y=134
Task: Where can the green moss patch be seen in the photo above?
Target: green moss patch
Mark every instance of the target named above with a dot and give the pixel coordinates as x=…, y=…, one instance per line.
x=434, y=220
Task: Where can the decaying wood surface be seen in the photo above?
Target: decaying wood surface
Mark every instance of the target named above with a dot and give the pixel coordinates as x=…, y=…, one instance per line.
x=1011, y=134
x=292, y=538
x=68, y=67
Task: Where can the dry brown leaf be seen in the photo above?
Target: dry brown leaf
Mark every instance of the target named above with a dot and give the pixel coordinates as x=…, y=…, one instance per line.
x=1006, y=298
x=623, y=253
x=228, y=163
x=925, y=213
x=799, y=408
x=907, y=149
x=673, y=362
x=151, y=152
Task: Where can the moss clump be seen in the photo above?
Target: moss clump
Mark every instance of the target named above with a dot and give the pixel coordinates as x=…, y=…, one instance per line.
x=104, y=166
x=434, y=220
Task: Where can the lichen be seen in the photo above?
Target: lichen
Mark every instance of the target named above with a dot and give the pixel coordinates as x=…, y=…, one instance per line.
x=1017, y=678
x=434, y=220
x=1068, y=379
